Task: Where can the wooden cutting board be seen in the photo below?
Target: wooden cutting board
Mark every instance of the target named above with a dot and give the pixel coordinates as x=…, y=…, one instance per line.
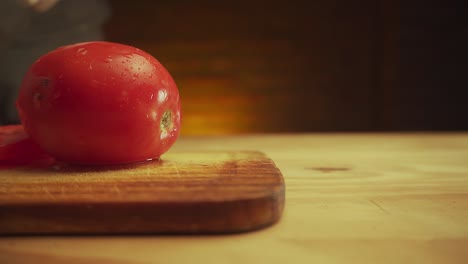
x=200, y=192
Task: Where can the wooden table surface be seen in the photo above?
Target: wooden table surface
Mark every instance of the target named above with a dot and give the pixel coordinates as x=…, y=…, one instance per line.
x=350, y=198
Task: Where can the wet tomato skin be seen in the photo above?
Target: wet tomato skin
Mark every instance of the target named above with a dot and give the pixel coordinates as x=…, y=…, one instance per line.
x=100, y=103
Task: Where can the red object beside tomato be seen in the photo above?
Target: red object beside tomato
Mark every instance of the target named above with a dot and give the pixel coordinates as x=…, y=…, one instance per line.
x=16, y=148
x=100, y=103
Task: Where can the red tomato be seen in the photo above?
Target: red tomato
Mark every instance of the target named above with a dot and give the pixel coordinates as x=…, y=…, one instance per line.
x=100, y=103
x=16, y=148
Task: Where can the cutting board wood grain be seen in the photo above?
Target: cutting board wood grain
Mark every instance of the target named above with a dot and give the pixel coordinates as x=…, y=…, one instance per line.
x=186, y=192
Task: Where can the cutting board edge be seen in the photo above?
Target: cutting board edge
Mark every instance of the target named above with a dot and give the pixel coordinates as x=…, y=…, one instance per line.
x=206, y=217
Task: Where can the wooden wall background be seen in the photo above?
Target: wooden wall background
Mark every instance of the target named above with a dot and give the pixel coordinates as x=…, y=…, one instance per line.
x=294, y=66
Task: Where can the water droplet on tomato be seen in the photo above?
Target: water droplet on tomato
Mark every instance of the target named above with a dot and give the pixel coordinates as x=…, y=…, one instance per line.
x=162, y=96
x=108, y=60
x=82, y=51
x=123, y=74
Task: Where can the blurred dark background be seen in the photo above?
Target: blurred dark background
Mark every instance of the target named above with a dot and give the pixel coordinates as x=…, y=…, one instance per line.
x=296, y=66
x=299, y=66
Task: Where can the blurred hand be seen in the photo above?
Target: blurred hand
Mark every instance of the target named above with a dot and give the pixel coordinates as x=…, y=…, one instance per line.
x=40, y=5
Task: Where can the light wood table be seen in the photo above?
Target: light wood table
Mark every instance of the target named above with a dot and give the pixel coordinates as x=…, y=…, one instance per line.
x=350, y=198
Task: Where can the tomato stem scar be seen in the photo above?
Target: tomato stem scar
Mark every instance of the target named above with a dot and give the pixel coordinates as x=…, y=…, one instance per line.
x=166, y=121
x=45, y=82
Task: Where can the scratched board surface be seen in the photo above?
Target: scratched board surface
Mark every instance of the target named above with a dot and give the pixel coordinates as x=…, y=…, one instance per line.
x=196, y=192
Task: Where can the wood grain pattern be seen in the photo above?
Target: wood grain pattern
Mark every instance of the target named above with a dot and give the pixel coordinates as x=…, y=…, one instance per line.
x=350, y=198
x=192, y=192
